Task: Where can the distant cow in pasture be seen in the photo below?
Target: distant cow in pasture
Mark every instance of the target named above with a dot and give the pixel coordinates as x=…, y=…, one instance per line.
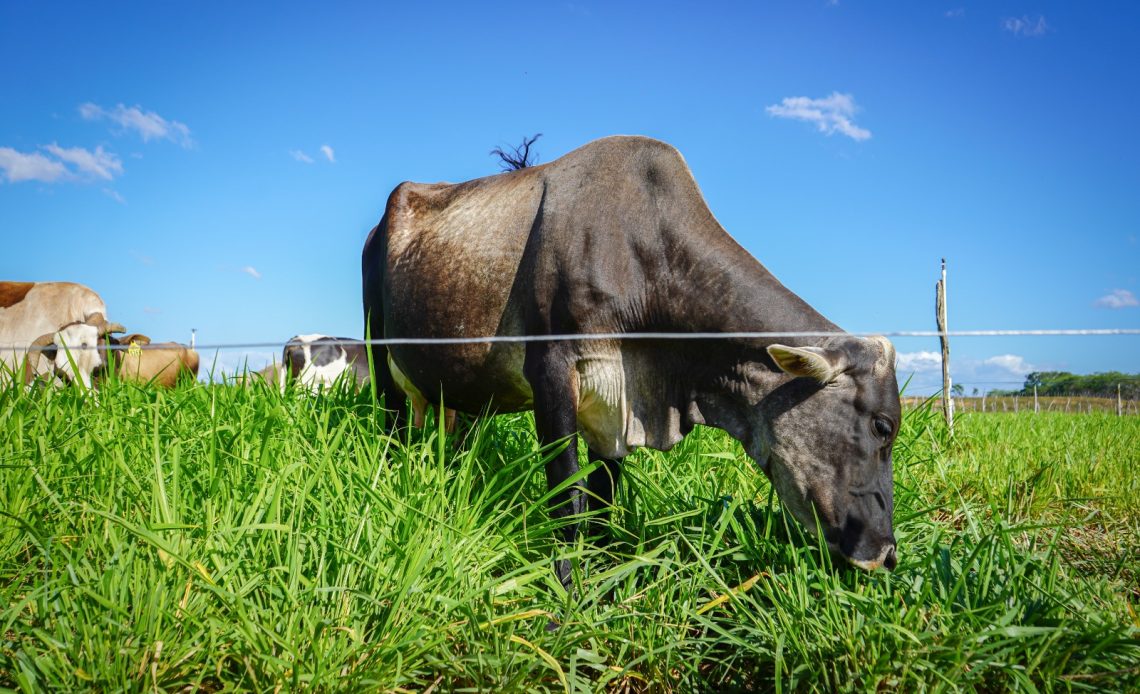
x=271, y=374
x=318, y=360
x=160, y=364
x=60, y=322
x=615, y=237
x=315, y=360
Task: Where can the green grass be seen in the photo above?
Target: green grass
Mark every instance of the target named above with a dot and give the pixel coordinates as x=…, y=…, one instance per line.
x=236, y=539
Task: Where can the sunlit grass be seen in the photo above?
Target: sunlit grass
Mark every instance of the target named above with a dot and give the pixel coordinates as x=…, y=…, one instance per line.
x=234, y=538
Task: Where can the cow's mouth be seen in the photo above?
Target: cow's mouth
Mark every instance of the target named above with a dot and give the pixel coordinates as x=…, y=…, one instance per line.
x=887, y=558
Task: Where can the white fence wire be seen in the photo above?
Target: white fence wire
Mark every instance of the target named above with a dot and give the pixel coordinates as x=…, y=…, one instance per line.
x=573, y=337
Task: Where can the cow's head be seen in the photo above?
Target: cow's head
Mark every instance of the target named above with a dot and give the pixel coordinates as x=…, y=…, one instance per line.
x=72, y=352
x=824, y=438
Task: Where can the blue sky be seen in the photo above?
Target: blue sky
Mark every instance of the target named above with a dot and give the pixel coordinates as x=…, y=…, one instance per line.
x=218, y=165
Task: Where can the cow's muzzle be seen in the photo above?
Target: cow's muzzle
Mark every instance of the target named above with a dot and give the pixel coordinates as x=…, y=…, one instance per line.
x=887, y=559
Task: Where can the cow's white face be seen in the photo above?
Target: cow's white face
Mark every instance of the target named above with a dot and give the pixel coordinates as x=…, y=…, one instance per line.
x=76, y=353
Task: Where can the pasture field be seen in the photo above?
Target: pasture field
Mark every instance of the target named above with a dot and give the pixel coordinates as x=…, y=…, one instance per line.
x=220, y=538
x=1009, y=403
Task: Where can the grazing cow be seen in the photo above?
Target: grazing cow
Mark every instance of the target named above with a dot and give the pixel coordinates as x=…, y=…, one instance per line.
x=68, y=355
x=615, y=237
x=318, y=360
x=160, y=364
x=270, y=375
x=51, y=316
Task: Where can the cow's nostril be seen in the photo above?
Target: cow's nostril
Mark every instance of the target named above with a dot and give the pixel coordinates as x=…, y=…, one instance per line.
x=890, y=560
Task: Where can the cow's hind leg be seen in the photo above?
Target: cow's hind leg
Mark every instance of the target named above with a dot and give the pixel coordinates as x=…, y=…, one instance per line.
x=395, y=401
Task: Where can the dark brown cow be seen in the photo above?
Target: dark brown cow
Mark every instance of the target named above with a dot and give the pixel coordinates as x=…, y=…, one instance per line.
x=615, y=237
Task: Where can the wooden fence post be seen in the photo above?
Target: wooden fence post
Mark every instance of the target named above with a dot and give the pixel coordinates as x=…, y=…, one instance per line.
x=1119, y=402
x=944, y=338
x=1036, y=408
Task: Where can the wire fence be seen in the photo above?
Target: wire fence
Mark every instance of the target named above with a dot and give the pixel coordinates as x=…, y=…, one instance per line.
x=610, y=336
x=634, y=336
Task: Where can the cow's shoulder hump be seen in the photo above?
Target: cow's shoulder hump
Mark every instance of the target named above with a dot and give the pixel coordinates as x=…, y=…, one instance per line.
x=12, y=293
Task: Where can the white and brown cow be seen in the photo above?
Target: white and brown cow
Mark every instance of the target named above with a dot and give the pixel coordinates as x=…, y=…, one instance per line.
x=51, y=329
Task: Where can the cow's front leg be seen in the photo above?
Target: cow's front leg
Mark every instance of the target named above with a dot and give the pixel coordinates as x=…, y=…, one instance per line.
x=554, y=384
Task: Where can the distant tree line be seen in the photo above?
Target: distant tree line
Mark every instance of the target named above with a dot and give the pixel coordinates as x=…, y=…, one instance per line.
x=1102, y=385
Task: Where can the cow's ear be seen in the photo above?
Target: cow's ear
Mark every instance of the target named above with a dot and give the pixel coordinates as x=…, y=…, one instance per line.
x=810, y=362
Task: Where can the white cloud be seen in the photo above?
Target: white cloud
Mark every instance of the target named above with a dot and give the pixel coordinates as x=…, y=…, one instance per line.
x=1012, y=363
x=328, y=152
x=300, y=156
x=1117, y=298
x=30, y=166
x=1024, y=26
x=955, y=13
x=151, y=310
x=918, y=361
x=252, y=272
x=100, y=164
x=830, y=114
x=924, y=372
x=114, y=195
x=148, y=124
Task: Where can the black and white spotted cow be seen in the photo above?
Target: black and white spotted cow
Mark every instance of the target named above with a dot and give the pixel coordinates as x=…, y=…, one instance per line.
x=318, y=360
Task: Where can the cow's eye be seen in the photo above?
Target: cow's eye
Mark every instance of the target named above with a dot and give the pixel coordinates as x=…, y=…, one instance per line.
x=883, y=427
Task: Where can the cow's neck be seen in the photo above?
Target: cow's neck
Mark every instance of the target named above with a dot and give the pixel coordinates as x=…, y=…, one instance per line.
x=714, y=285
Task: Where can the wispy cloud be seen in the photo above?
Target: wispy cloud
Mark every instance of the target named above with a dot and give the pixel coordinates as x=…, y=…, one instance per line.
x=114, y=195
x=64, y=164
x=954, y=13
x=1117, y=298
x=148, y=124
x=144, y=259
x=100, y=164
x=328, y=152
x=30, y=166
x=582, y=10
x=152, y=310
x=300, y=156
x=830, y=114
x=252, y=272
x=1024, y=26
